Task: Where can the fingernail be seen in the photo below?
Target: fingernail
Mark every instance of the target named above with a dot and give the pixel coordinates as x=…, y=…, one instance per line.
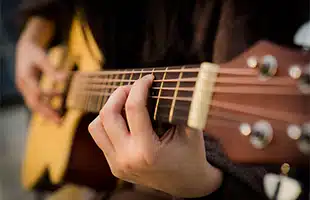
x=92, y=124
x=149, y=77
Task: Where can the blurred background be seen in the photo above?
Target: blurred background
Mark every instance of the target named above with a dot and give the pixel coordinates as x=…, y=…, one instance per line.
x=13, y=114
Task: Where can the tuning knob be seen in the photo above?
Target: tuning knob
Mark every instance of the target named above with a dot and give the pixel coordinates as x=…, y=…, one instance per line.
x=267, y=65
x=304, y=140
x=302, y=135
x=303, y=77
x=260, y=134
x=304, y=81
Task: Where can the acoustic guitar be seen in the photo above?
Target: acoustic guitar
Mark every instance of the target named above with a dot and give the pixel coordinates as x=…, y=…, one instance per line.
x=257, y=106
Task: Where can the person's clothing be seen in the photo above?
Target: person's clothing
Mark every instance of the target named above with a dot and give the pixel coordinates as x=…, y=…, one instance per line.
x=8, y=38
x=123, y=30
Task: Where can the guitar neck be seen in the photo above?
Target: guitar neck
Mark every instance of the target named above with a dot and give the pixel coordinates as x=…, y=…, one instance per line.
x=170, y=96
x=256, y=105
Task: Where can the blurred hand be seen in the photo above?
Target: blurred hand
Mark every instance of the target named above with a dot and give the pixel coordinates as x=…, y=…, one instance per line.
x=31, y=59
x=175, y=164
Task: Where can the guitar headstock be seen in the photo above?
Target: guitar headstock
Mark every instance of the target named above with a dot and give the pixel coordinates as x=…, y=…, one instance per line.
x=260, y=109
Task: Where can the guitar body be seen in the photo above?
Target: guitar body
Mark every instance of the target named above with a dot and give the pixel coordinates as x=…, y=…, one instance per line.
x=65, y=152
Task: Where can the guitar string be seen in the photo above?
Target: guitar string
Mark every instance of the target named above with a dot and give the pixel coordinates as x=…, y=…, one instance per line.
x=237, y=118
x=221, y=71
x=162, y=97
x=251, y=110
x=231, y=71
x=223, y=116
x=281, y=81
x=267, y=90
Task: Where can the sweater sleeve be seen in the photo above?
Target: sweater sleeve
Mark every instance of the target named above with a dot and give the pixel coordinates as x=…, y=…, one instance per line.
x=240, y=182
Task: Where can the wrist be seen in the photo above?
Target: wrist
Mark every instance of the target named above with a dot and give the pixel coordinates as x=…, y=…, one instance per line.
x=205, y=182
x=38, y=31
x=214, y=179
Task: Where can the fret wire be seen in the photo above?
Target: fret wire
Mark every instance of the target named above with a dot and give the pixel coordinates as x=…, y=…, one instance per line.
x=105, y=97
x=174, y=96
x=99, y=105
x=122, y=80
x=141, y=74
x=95, y=101
x=131, y=77
x=159, y=93
x=87, y=101
x=100, y=102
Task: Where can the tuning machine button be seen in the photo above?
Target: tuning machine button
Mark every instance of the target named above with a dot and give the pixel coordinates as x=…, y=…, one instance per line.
x=304, y=81
x=302, y=135
x=267, y=65
x=304, y=140
x=260, y=134
x=302, y=76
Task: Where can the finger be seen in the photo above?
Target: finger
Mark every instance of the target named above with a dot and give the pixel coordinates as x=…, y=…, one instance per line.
x=139, y=121
x=33, y=96
x=112, y=119
x=51, y=93
x=43, y=62
x=45, y=110
x=100, y=137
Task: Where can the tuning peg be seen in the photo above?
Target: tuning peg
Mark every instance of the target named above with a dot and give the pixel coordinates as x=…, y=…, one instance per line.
x=260, y=134
x=304, y=81
x=302, y=37
x=303, y=77
x=304, y=141
x=267, y=65
x=281, y=187
x=302, y=135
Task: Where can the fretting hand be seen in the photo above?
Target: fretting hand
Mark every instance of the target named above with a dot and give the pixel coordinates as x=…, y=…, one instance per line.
x=175, y=164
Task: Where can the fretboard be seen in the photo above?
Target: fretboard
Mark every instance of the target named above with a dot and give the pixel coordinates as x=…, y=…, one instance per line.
x=169, y=98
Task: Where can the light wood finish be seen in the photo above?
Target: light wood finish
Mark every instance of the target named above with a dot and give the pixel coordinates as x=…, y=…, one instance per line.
x=72, y=192
x=48, y=144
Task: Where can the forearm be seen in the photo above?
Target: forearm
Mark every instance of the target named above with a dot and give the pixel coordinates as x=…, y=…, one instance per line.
x=38, y=30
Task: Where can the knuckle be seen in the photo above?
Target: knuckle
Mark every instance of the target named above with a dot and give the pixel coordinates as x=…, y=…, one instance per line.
x=131, y=106
x=120, y=168
x=103, y=113
x=90, y=128
x=117, y=173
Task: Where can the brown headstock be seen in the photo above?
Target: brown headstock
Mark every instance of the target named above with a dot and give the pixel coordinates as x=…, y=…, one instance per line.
x=260, y=110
